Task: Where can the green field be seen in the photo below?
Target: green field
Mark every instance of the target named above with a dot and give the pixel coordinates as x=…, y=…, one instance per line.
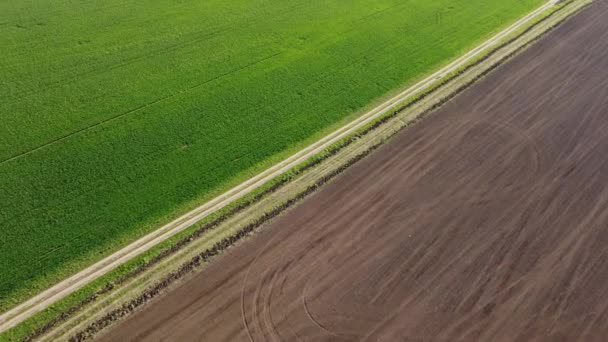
x=118, y=115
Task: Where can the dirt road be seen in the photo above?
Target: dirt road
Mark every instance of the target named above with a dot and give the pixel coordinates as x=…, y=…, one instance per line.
x=488, y=221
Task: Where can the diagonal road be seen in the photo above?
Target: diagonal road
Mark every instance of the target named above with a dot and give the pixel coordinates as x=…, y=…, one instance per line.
x=72, y=284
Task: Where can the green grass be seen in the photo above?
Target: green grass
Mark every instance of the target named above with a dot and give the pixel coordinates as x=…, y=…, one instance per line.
x=117, y=115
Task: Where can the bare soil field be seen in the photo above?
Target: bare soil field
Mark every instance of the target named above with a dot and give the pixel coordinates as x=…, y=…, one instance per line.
x=487, y=221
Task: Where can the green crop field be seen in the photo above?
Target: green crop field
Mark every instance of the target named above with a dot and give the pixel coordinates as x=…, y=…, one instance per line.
x=117, y=115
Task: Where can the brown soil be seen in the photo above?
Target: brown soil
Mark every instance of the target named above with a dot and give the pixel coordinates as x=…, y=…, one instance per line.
x=487, y=221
